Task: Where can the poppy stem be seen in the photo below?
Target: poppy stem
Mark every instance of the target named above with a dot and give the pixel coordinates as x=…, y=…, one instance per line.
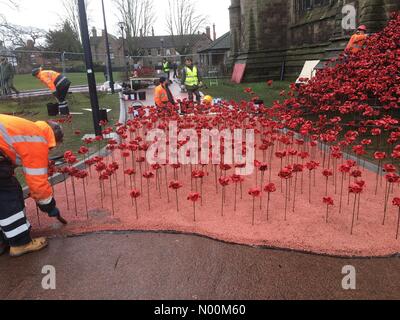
x=254, y=202
x=148, y=193
x=294, y=192
x=398, y=225
x=354, y=211
x=235, y=205
x=84, y=194
x=136, y=208
x=341, y=194
x=66, y=190
x=37, y=213
x=112, y=196
x=74, y=192
x=177, y=203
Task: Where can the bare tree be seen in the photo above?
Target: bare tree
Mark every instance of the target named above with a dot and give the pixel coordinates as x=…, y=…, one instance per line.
x=15, y=36
x=71, y=14
x=138, y=17
x=183, y=18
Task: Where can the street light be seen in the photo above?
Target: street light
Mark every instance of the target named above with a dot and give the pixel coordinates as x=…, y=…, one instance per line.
x=94, y=101
x=122, y=26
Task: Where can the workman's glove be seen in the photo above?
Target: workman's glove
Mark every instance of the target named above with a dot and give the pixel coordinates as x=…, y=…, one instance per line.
x=55, y=213
x=50, y=209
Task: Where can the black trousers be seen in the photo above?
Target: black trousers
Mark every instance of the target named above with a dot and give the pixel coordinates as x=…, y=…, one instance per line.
x=62, y=90
x=194, y=92
x=14, y=227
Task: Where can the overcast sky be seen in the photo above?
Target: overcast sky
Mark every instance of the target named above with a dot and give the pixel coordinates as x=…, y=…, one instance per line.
x=45, y=14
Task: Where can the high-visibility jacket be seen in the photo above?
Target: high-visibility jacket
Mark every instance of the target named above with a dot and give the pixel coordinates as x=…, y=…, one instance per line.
x=357, y=42
x=166, y=67
x=50, y=78
x=160, y=96
x=27, y=144
x=192, y=77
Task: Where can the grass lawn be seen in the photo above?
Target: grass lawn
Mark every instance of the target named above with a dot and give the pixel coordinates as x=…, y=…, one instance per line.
x=27, y=82
x=228, y=91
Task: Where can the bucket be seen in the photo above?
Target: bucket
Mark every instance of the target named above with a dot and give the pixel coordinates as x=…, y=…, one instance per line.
x=52, y=109
x=103, y=115
x=142, y=96
x=64, y=110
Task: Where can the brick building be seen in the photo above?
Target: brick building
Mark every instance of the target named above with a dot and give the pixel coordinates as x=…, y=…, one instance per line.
x=271, y=34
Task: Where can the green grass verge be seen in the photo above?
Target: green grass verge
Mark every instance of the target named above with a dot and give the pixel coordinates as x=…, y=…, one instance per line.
x=25, y=82
x=228, y=90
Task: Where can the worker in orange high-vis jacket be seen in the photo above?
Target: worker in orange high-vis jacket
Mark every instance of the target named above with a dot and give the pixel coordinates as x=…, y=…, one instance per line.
x=26, y=144
x=358, y=40
x=162, y=94
x=57, y=84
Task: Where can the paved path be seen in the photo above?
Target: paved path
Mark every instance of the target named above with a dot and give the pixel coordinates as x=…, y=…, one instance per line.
x=167, y=266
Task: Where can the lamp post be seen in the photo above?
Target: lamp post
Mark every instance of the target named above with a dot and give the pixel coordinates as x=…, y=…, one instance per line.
x=94, y=101
x=122, y=25
x=109, y=63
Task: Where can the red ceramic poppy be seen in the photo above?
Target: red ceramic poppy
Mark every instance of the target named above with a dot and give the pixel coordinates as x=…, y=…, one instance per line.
x=255, y=192
x=270, y=188
x=194, y=196
x=135, y=194
x=328, y=201
x=175, y=185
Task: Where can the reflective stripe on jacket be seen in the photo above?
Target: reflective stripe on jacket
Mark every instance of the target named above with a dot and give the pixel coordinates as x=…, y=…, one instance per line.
x=25, y=144
x=160, y=96
x=49, y=78
x=192, y=78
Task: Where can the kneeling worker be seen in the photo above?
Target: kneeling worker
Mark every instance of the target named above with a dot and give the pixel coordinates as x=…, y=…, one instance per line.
x=162, y=94
x=26, y=144
x=58, y=85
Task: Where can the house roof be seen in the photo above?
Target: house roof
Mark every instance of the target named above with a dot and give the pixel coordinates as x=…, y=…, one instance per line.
x=222, y=43
x=170, y=41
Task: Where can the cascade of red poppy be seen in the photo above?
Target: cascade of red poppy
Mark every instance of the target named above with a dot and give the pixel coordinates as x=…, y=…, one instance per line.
x=135, y=194
x=194, y=197
x=269, y=188
x=255, y=193
x=224, y=182
x=329, y=203
x=176, y=185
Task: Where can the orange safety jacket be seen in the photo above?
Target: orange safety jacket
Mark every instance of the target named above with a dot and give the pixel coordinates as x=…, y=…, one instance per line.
x=27, y=144
x=160, y=96
x=357, y=42
x=50, y=78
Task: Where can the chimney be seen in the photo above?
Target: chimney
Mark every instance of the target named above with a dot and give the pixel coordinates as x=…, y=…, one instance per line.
x=94, y=32
x=208, y=32
x=214, y=32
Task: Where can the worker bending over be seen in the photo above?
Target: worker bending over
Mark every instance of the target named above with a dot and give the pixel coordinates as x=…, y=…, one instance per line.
x=26, y=144
x=162, y=94
x=191, y=79
x=57, y=84
x=358, y=40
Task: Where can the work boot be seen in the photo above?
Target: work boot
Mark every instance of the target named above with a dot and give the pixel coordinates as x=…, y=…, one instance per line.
x=35, y=245
x=3, y=248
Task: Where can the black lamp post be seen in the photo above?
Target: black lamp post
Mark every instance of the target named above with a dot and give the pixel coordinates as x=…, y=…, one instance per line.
x=94, y=101
x=109, y=63
x=122, y=25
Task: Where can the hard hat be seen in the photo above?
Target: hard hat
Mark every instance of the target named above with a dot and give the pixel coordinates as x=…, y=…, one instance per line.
x=362, y=28
x=208, y=99
x=36, y=71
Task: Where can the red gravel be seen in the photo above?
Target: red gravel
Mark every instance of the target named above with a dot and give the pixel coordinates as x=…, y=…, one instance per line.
x=304, y=230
